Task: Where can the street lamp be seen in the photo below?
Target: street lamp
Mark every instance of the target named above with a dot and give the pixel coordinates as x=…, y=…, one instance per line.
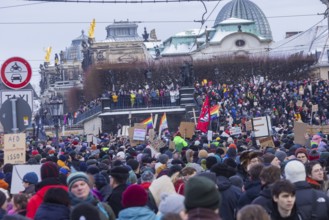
x=56, y=108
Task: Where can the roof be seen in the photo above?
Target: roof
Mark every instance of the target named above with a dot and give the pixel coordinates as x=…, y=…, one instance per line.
x=247, y=10
x=311, y=41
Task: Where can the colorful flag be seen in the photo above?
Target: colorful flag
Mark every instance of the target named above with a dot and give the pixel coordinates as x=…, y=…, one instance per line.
x=203, y=121
x=214, y=112
x=163, y=123
x=148, y=122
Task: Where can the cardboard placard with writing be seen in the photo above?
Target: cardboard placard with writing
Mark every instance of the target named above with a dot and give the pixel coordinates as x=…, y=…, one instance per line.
x=248, y=126
x=187, y=129
x=300, y=129
x=172, y=145
x=315, y=108
x=325, y=129
x=299, y=103
x=266, y=142
x=14, y=148
x=151, y=134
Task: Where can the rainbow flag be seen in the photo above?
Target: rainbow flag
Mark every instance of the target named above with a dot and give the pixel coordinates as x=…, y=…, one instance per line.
x=214, y=112
x=148, y=122
x=163, y=123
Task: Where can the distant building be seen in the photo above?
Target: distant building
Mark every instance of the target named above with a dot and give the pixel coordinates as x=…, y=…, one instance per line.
x=240, y=29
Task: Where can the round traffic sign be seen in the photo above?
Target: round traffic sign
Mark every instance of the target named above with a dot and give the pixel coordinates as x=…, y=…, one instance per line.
x=16, y=73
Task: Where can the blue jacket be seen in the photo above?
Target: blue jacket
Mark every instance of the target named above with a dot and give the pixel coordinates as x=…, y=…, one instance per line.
x=137, y=213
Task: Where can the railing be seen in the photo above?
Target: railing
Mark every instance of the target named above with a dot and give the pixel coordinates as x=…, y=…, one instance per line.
x=95, y=110
x=125, y=103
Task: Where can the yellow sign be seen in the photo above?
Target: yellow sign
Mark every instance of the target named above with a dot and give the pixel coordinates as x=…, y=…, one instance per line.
x=14, y=148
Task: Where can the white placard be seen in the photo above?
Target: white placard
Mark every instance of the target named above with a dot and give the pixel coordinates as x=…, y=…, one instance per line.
x=261, y=126
x=139, y=134
x=17, y=176
x=235, y=131
x=209, y=135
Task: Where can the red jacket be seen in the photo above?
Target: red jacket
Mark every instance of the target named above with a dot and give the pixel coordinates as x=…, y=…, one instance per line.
x=37, y=199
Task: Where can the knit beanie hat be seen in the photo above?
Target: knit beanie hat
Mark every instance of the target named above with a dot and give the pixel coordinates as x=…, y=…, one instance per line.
x=100, y=180
x=147, y=176
x=314, y=155
x=163, y=158
x=210, y=161
x=203, y=154
x=295, y=171
x=171, y=203
x=301, y=150
x=74, y=177
x=120, y=172
x=201, y=192
x=281, y=155
x=48, y=170
x=231, y=152
x=62, y=158
x=268, y=157
x=135, y=195
x=2, y=198
x=133, y=164
x=30, y=177
x=86, y=211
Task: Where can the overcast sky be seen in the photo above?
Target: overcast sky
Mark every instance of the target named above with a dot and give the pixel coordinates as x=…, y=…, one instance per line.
x=28, y=27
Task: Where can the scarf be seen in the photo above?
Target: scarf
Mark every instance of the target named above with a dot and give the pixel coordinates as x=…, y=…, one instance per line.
x=75, y=200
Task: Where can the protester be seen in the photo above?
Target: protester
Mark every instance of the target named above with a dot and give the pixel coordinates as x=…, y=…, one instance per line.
x=80, y=192
x=252, y=212
x=55, y=205
x=310, y=202
x=30, y=179
x=134, y=200
x=49, y=179
x=284, y=206
x=202, y=199
x=118, y=179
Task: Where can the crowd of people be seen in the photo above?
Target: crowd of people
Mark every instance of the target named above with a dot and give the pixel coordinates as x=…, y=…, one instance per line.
x=195, y=178
x=136, y=97
x=284, y=101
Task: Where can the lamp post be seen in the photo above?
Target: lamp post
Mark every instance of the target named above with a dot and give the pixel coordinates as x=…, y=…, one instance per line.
x=56, y=108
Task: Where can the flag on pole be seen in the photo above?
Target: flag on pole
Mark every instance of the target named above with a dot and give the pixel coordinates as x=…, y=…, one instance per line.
x=214, y=112
x=204, y=118
x=148, y=122
x=163, y=123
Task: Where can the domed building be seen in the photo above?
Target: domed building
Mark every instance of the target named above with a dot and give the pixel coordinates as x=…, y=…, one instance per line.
x=247, y=10
x=241, y=29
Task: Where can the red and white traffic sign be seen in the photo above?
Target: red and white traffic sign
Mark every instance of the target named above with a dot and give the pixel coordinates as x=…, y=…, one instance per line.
x=16, y=73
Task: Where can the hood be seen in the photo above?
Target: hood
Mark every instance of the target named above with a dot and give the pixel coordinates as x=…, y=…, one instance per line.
x=137, y=213
x=41, y=193
x=161, y=185
x=223, y=183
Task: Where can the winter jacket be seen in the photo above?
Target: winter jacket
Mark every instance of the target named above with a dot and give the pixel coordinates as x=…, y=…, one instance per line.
x=252, y=191
x=202, y=213
x=230, y=197
x=311, y=203
x=275, y=215
x=52, y=211
x=137, y=213
x=114, y=200
x=37, y=199
x=264, y=199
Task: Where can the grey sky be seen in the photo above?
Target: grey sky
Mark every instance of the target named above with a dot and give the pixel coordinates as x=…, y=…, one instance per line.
x=30, y=40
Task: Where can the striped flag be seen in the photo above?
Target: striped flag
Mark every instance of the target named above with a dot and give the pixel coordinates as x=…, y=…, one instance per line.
x=214, y=112
x=163, y=123
x=148, y=122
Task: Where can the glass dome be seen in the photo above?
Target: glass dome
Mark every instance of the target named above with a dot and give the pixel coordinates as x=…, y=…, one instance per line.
x=245, y=9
